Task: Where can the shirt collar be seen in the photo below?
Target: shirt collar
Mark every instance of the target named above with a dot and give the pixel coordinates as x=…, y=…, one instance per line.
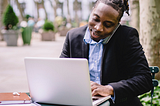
x=87, y=37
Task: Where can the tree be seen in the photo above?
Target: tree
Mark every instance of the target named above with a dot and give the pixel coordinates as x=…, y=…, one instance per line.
x=134, y=7
x=55, y=10
x=149, y=31
x=20, y=10
x=0, y=18
x=69, y=16
x=54, y=7
x=44, y=9
x=36, y=3
x=77, y=6
x=9, y=18
x=3, y=5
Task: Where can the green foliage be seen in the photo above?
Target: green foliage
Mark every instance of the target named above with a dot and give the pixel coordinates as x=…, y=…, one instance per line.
x=59, y=20
x=10, y=19
x=74, y=24
x=146, y=98
x=27, y=16
x=48, y=25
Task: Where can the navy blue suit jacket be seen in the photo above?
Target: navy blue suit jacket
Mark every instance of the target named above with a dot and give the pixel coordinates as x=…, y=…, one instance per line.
x=124, y=65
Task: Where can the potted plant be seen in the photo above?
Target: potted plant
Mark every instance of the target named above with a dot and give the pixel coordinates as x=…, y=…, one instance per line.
x=48, y=31
x=26, y=29
x=64, y=27
x=26, y=32
x=10, y=21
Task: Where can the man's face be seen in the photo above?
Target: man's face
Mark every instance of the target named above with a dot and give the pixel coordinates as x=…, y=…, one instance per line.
x=102, y=22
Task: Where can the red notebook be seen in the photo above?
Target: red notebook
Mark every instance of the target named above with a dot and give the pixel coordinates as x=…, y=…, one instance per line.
x=9, y=98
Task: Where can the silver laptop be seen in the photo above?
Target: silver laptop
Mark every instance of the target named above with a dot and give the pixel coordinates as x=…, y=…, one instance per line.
x=64, y=81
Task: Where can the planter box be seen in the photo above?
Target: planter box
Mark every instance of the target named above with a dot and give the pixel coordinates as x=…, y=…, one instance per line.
x=48, y=36
x=63, y=31
x=27, y=35
x=11, y=37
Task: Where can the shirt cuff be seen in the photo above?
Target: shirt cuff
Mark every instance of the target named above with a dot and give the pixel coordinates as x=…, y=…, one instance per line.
x=113, y=97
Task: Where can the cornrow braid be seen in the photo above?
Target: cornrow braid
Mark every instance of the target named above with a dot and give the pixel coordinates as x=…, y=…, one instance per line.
x=126, y=6
x=118, y=5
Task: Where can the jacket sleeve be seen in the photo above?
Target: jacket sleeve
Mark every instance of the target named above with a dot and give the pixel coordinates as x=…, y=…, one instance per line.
x=65, y=51
x=139, y=80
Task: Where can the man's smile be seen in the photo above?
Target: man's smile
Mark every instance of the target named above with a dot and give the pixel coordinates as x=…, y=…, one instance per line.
x=93, y=34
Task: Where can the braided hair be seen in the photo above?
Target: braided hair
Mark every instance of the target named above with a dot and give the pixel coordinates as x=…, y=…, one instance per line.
x=118, y=5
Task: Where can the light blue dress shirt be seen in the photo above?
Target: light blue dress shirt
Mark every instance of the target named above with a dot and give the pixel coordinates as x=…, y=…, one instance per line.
x=95, y=56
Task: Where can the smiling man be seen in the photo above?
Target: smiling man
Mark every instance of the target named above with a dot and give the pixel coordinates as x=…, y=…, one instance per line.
x=117, y=64
x=103, y=20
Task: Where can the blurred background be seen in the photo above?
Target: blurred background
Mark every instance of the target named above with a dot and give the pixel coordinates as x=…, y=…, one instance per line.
x=40, y=26
x=68, y=13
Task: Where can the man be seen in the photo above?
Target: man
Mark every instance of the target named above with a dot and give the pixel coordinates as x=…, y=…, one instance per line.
x=117, y=63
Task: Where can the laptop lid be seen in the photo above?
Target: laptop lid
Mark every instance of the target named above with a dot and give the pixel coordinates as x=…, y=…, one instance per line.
x=59, y=80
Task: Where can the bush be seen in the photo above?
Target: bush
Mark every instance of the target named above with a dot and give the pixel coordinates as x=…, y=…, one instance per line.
x=27, y=16
x=48, y=25
x=146, y=98
x=10, y=19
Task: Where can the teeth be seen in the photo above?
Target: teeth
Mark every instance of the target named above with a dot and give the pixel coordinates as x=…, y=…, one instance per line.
x=95, y=34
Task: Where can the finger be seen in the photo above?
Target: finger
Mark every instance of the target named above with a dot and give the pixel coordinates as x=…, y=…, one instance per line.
x=93, y=87
x=91, y=81
x=95, y=92
x=94, y=83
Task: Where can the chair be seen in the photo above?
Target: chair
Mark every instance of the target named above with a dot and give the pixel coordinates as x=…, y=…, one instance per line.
x=154, y=69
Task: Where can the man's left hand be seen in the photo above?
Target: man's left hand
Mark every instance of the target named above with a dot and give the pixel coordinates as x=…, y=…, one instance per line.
x=101, y=90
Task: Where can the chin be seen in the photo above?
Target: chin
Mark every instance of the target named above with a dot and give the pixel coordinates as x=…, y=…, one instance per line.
x=95, y=39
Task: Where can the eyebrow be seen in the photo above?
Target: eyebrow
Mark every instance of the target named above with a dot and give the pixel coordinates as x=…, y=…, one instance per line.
x=105, y=21
x=96, y=15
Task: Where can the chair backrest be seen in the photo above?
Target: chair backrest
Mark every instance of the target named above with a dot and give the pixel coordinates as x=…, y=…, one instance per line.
x=154, y=69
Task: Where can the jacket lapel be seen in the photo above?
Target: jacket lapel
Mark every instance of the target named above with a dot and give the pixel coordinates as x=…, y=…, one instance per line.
x=85, y=50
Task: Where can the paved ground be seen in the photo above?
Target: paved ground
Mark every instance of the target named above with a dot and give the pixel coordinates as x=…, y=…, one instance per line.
x=12, y=69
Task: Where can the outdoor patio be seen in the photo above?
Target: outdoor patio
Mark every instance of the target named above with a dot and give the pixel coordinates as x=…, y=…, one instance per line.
x=12, y=70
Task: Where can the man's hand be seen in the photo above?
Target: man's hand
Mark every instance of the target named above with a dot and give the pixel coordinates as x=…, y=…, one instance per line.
x=101, y=90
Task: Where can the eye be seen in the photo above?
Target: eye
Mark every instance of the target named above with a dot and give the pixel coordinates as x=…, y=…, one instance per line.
x=108, y=25
x=96, y=19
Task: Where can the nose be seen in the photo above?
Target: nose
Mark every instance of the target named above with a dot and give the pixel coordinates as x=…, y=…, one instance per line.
x=99, y=27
